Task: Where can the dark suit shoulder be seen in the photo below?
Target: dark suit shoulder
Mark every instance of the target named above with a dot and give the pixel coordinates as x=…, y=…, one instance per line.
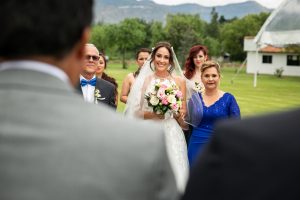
x=276, y=127
x=105, y=83
x=268, y=119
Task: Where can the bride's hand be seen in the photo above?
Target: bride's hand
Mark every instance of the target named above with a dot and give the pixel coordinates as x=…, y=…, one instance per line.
x=151, y=115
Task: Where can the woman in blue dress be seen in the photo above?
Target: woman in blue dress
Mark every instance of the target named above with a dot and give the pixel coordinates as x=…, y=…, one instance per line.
x=216, y=105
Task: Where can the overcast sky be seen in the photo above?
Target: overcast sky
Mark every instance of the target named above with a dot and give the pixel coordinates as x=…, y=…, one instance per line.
x=266, y=3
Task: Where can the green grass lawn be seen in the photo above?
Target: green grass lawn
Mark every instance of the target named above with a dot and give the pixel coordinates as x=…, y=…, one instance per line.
x=271, y=93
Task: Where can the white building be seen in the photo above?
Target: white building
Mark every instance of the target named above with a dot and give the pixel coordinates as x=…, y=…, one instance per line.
x=269, y=58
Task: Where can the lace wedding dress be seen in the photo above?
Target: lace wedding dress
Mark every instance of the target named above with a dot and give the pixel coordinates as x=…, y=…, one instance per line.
x=175, y=140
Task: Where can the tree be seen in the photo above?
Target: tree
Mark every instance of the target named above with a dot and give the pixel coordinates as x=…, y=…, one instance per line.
x=102, y=36
x=213, y=46
x=212, y=29
x=183, y=31
x=129, y=34
x=148, y=31
x=232, y=34
x=157, y=33
x=223, y=20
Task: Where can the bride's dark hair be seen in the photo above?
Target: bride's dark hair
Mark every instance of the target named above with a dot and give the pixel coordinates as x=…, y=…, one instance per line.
x=168, y=46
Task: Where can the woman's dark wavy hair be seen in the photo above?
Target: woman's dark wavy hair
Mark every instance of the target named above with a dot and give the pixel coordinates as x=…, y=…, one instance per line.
x=107, y=77
x=168, y=46
x=136, y=73
x=46, y=27
x=189, y=66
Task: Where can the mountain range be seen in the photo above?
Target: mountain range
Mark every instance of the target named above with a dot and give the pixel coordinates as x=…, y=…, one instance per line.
x=114, y=11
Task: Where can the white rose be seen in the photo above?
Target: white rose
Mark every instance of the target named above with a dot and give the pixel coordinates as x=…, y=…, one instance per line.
x=171, y=99
x=154, y=100
x=152, y=90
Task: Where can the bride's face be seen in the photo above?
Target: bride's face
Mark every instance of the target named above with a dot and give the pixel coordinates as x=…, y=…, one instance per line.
x=162, y=59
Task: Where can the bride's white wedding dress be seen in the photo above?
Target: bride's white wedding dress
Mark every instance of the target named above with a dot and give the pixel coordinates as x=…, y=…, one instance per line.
x=175, y=140
x=177, y=151
x=176, y=145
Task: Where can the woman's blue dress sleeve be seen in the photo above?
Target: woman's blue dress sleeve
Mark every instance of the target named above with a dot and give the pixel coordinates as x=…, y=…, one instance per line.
x=234, y=110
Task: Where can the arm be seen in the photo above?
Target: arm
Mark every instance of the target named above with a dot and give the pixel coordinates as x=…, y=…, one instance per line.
x=112, y=96
x=182, y=112
x=125, y=89
x=116, y=100
x=234, y=110
x=152, y=115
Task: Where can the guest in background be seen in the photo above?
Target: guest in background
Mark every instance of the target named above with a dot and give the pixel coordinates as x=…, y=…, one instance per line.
x=216, y=104
x=95, y=90
x=102, y=65
x=254, y=158
x=141, y=56
x=192, y=71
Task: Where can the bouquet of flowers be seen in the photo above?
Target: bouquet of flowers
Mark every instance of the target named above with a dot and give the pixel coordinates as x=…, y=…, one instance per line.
x=164, y=96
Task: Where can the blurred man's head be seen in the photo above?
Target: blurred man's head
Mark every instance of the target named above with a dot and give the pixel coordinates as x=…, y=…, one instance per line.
x=47, y=27
x=46, y=30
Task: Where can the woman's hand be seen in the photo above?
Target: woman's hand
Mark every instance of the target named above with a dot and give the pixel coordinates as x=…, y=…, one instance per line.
x=152, y=115
x=180, y=119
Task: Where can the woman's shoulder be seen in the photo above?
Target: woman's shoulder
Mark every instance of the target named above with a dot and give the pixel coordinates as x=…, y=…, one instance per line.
x=179, y=79
x=229, y=96
x=149, y=79
x=130, y=76
x=150, y=76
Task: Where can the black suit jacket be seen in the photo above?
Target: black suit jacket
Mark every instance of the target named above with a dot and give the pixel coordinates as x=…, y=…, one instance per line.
x=107, y=91
x=256, y=158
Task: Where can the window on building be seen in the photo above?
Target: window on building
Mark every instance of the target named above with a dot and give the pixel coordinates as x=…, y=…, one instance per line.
x=267, y=59
x=293, y=60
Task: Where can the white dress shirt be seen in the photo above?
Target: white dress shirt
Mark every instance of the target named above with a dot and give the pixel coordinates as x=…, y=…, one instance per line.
x=88, y=91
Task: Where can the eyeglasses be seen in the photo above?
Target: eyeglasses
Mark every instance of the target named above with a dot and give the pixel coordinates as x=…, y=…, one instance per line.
x=94, y=58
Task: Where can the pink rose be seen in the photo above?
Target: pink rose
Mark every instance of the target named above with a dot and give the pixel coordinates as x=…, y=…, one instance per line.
x=163, y=86
x=161, y=93
x=164, y=101
x=174, y=107
x=179, y=94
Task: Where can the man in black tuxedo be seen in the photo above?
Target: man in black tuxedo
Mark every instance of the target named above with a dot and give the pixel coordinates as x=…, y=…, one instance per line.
x=93, y=89
x=256, y=158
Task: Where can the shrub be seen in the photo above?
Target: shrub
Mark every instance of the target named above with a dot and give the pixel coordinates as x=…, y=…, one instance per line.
x=278, y=72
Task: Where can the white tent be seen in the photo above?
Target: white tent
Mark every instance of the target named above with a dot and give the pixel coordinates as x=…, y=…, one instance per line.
x=281, y=28
x=283, y=25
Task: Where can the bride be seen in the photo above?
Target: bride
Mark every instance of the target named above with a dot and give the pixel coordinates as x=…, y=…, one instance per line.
x=161, y=67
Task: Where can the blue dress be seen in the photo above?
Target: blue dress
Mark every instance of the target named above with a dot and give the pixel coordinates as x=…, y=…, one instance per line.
x=225, y=107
